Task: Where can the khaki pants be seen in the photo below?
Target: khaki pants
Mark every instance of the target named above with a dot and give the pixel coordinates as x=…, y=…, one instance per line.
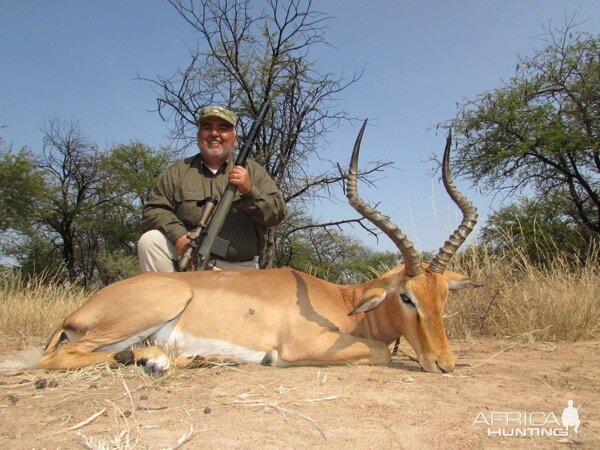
x=156, y=254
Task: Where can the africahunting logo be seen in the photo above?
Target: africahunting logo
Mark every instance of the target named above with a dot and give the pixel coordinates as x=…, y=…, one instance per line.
x=535, y=423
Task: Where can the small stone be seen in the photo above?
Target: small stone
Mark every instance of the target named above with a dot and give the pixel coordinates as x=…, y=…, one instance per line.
x=42, y=383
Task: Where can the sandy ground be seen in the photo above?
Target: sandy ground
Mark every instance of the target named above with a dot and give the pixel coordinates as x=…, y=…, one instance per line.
x=499, y=389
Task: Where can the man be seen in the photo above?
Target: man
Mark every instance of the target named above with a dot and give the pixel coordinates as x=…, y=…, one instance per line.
x=174, y=206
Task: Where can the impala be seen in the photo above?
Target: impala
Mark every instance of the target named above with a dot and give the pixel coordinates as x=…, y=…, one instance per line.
x=277, y=317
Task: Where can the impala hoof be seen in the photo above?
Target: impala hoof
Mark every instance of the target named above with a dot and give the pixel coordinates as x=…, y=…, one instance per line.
x=156, y=366
x=125, y=357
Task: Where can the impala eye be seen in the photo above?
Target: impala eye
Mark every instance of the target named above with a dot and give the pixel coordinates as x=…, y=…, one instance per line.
x=407, y=300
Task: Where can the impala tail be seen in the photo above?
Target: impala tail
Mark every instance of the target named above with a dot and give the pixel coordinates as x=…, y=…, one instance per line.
x=21, y=362
x=28, y=359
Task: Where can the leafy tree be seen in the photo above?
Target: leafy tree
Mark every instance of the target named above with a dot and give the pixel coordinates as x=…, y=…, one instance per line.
x=537, y=229
x=327, y=252
x=130, y=174
x=21, y=188
x=250, y=52
x=70, y=163
x=134, y=167
x=76, y=207
x=540, y=132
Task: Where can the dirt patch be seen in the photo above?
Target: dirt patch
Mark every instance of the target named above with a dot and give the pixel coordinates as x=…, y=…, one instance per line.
x=329, y=407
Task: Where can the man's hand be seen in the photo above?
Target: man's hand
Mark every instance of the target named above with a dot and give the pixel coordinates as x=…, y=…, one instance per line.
x=181, y=244
x=240, y=178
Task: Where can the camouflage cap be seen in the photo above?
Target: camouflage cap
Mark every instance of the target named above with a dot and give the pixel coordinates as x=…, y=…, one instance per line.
x=218, y=111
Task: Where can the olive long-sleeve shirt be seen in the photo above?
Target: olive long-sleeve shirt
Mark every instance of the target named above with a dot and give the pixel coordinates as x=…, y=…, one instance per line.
x=173, y=206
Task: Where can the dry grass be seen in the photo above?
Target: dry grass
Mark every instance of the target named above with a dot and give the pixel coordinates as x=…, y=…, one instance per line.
x=522, y=300
x=31, y=310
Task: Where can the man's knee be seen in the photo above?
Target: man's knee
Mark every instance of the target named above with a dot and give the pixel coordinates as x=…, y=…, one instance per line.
x=155, y=252
x=152, y=239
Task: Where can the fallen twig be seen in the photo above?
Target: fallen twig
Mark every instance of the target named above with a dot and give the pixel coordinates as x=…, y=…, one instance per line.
x=265, y=404
x=150, y=408
x=77, y=425
x=186, y=436
x=493, y=356
x=302, y=416
x=86, y=421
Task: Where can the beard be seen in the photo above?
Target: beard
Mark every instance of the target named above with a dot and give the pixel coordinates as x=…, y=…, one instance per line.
x=216, y=152
x=221, y=153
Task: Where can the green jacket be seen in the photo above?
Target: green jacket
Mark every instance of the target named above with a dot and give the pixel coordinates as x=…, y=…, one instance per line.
x=173, y=204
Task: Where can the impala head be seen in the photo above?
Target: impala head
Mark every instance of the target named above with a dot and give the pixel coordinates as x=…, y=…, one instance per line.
x=413, y=294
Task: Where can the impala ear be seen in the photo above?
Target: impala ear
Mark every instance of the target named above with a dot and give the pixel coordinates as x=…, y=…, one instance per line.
x=459, y=285
x=458, y=282
x=372, y=298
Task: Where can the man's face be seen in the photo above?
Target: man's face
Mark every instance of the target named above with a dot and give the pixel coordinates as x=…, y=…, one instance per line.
x=216, y=139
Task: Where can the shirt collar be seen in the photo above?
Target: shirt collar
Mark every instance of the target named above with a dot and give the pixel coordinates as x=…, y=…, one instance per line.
x=222, y=168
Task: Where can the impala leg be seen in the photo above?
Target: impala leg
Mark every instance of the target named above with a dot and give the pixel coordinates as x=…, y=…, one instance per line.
x=330, y=348
x=185, y=362
x=75, y=355
x=154, y=360
x=114, y=318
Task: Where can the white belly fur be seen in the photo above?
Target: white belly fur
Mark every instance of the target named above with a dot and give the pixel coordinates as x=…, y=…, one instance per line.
x=187, y=345
x=127, y=343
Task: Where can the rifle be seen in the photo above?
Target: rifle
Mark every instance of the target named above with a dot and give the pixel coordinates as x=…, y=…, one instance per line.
x=205, y=236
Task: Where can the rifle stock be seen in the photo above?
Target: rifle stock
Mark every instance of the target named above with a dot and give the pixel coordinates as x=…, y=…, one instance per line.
x=213, y=229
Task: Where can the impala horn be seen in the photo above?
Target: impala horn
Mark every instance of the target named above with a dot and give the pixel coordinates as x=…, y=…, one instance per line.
x=412, y=259
x=440, y=261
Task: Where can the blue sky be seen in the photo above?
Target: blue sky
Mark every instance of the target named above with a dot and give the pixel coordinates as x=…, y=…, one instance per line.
x=79, y=60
